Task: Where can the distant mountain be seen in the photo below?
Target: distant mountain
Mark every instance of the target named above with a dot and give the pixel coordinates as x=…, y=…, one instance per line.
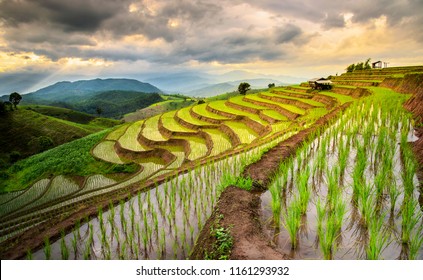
x=181, y=82
x=116, y=103
x=212, y=90
x=197, y=84
x=113, y=97
x=63, y=91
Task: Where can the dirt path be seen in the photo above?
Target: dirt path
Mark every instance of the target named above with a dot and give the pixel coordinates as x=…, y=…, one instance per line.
x=241, y=215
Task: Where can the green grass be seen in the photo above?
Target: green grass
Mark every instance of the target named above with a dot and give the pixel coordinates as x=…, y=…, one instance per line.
x=221, y=141
x=171, y=124
x=21, y=129
x=257, y=98
x=185, y=114
x=72, y=116
x=340, y=97
x=304, y=100
x=129, y=140
x=274, y=115
x=201, y=110
x=117, y=132
x=229, y=179
x=312, y=115
x=288, y=107
x=105, y=150
x=245, y=134
x=198, y=147
x=72, y=158
x=222, y=246
x=239, y=100
x=221, y=106
x=151, y=129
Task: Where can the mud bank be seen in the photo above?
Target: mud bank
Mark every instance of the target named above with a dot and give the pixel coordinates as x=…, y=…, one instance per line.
x=241, y=216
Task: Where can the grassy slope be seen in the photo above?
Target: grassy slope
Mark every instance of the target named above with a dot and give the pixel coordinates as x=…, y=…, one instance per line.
x=21, y=126
x=73, y=158
x=158, y=108
x=72, y=116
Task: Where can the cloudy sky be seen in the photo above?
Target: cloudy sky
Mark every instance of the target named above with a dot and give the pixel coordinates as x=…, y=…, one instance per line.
x=43, y=41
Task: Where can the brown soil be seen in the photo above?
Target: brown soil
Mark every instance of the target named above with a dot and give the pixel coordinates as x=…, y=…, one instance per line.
x=241, y=215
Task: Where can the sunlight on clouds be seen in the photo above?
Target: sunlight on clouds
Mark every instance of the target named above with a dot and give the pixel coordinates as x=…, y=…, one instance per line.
x=133, y=8
x=173, y=23
x=12, y=61
x=78, y=62
x=380, y=23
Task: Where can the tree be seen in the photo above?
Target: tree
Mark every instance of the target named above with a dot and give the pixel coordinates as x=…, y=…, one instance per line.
x=243, y=88
x=359, y=66
x=2, y=108
x=272, y=85
x=15, y=98
x=99, y=110
x=367, y=64
x=351, y=68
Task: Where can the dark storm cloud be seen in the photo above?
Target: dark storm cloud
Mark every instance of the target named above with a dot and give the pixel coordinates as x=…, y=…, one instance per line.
x=287, y=33
x=75, y=15
x=205, y=30
x=334, y=21
x=327, y=12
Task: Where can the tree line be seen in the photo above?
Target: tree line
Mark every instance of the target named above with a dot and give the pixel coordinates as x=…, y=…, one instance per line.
x=359, y=66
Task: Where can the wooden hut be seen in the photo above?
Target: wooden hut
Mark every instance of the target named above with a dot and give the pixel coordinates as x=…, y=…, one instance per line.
x=320, y=83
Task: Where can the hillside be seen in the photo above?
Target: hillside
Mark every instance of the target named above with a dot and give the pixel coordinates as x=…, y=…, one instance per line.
x=63, y=91
x=170, y=103
x=27, y=131
x=112, y=97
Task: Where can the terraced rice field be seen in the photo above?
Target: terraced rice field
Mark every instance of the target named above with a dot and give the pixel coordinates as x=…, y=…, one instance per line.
x=129, y=140
x=162, y=146
x=106, y=151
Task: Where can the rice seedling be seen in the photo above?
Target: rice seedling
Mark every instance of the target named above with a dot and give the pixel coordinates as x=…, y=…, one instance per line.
x=378, y=238
x=63, y=247
x=394, y=193
x=47, y=248
x=366, y=203
x=410, y=218
x=122, y=251
x=276, y=204
x=292, y=221
x=304, y=190
x=415, y=243
x=327, y=236
x=29, y=255
x=329, y=225
x=75, y=244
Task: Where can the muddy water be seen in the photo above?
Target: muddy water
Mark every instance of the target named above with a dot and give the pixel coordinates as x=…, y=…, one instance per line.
x=353, y=238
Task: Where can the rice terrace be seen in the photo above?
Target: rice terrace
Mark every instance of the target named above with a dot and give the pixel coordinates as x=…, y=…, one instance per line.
x=304, y=171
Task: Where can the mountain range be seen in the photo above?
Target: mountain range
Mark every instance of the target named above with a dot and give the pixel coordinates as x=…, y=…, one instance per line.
x=111, y=98
x=203, y=84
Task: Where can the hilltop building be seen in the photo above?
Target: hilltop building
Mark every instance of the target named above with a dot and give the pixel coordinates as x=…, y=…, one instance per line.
x=320, y=83
x=380, y=64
